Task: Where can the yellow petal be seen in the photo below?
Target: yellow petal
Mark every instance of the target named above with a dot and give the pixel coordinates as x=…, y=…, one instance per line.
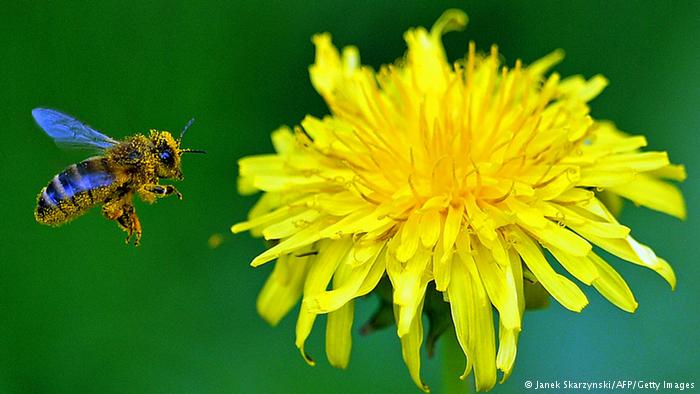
x=253, y=166
x=345, y=288
x=673, y=171
x=605, y=146
x=327, y=68
x=611, y=285
x=410, y=349
x=269, y=217
x=631, y=250
x=336, y=204
x=291, y=225
x=427, y=61
x=592, y=177
x=305, y=237
x=508, y=338
x=365, y=220
x=283, y=140
x=410, y=236
x=321, y=270
x=283, y=288
x=442, y=264
x=562, y=289
x=339, y=326
x=574, y=218
x=516, y=272
x=430, y=228
x=473, y=319
x=584, y=90
x=480, y=221
x=331, y=254
x=363, y=250
x=245, y=186
x=305, y=323
x=533, y=220
x=501, y=292
x=574, y=195
x=555, y=187
x=281, y=182
x=580, y=267
x=637, y=161
x=409, y=291
x=375, y=274
x=654, y=194
x=507, y=349
x=594, y=209
x=452, y=226
x=339, y=335
x=542, y=65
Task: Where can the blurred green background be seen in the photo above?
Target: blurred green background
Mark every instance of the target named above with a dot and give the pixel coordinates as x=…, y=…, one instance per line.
x=82, y=312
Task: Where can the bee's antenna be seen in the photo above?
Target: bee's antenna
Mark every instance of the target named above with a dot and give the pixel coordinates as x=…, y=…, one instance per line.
x=187, y=126
x=192, y=151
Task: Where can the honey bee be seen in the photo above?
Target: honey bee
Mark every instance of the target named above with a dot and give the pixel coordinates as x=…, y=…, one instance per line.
x=123, y=168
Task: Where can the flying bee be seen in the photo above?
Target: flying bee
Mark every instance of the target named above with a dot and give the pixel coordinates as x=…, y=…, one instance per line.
x=123, y=168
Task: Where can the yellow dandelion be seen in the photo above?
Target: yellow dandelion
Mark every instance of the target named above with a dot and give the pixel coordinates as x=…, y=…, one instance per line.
x=464, y=176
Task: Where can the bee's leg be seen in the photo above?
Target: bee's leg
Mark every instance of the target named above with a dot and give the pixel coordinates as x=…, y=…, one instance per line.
x=113, y=209
x=123, y=212
x=130, y=223
x=150, y=192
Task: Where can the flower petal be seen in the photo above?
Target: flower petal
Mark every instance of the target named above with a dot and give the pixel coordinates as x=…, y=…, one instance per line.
x=327, y=68
x=321, y=270
x=533, y=220
x=442, y=263
x=339, y=335
x=430, y=228
x=260, y=220
x=580, y=267
x=339, y=326
x=654, y=194
x=283, y=288
x=508, y=338
x=501, y=291
x=409, y=291
x=291, y=225
x=634, y=252
x=611, y=285
x=452, y=226
x=427, y=61
x=473, y=319
x=410, y=238
x=507, y=349
x=411, y=343
x=562, y=289
x=345, y=287
x=303, y=238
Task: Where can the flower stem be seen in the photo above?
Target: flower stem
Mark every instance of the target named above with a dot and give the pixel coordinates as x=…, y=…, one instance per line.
x=453, y=363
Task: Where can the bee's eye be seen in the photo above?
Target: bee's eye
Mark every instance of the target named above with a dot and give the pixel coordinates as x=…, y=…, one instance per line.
x=166, y=157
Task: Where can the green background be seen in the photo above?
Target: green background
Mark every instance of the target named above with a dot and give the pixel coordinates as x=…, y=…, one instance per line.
x=82, y=312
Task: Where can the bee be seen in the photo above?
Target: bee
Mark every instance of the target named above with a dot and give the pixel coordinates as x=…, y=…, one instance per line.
x=122, y=169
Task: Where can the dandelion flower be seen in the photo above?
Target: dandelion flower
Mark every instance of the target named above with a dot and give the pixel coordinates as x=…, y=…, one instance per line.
x=463, y=176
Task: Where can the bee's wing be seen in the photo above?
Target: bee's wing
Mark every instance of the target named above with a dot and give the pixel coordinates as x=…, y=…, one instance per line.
x=69, y=132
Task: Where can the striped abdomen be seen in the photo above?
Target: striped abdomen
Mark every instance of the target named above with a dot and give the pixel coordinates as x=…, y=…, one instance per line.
x=75, y=190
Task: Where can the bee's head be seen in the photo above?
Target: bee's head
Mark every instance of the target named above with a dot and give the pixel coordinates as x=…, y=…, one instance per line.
x=168, y=153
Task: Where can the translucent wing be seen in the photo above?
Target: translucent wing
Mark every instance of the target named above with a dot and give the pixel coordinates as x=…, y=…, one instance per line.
x=69, y=132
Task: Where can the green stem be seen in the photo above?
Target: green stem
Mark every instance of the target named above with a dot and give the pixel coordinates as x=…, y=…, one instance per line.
x=453, y=363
